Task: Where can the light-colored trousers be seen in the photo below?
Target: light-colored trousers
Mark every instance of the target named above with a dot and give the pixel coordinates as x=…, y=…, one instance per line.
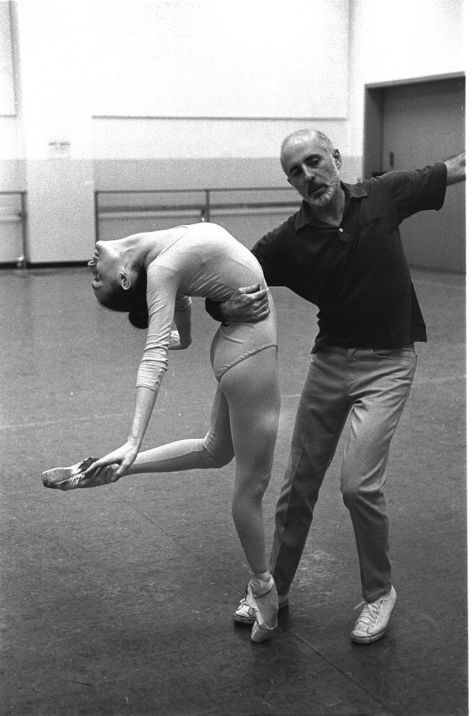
x=369, y=388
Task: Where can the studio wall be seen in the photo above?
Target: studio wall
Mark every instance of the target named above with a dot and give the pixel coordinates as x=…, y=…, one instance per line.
x=166, y=94
x=208, y=58
x=398, y=41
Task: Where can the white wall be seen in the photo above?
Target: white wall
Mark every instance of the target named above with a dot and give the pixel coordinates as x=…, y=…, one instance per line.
x=104, y=82
x=136, y=138
x=154, y=153
x=81, y=62
x=55, y=118
x=7, y=90
x=12, y=174
x=218, y=58
x=213, y=78
x=12, y=178
x=401, y=40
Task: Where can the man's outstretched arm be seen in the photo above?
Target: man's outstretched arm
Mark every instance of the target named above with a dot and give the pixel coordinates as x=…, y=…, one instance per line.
x=456, y=167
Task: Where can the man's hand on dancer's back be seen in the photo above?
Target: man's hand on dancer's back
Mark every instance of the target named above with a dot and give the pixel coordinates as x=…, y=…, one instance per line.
x=248, y=304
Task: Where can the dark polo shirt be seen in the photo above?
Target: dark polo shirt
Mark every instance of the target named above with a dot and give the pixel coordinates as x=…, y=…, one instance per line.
x=357, y=274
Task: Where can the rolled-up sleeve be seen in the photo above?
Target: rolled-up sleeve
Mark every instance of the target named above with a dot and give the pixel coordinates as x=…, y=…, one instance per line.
x=416, y=190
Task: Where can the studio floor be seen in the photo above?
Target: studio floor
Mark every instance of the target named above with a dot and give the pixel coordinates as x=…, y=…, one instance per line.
x=119, y=600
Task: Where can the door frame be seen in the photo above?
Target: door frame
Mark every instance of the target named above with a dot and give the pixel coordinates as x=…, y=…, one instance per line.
x=374, y=115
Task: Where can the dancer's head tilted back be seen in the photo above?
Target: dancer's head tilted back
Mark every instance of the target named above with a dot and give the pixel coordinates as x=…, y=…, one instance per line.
x=119, y=286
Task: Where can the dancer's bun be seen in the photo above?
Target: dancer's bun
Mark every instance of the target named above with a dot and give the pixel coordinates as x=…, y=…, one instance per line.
x=138, y=317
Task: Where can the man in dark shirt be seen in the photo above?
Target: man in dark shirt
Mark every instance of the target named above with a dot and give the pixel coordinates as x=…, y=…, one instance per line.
x=342, y=251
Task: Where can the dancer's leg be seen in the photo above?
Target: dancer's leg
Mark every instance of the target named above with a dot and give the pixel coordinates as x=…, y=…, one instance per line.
x=252, y=392
x=212, y=451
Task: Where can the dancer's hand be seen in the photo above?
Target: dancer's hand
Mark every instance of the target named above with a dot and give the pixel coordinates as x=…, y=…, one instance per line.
x=176, y=344
x=124, y=456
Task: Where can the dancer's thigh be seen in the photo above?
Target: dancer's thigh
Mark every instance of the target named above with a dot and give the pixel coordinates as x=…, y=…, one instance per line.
x=253, y=397
x=218, y=443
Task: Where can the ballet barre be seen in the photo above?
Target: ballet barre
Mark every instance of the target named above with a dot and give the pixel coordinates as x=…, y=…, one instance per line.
x=203, y=203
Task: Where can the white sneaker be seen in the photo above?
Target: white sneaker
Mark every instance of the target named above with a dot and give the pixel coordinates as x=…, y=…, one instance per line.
x=373, y=620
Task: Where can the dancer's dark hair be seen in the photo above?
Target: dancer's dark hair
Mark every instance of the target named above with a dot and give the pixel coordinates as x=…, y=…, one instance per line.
x=132, y=300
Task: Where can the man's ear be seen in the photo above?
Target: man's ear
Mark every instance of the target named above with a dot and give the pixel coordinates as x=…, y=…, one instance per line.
x=337, y=158
x=125, y=280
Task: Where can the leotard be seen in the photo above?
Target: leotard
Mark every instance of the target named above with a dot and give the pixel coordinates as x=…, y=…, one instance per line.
x=201, y=260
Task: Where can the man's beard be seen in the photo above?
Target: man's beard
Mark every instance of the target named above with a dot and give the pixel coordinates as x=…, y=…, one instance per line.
x=321, y=202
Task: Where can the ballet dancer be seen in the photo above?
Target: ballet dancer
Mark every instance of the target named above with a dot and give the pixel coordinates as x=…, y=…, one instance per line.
x=152, y=277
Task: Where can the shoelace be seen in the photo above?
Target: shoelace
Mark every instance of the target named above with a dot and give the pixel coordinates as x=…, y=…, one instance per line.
x=244, y=604
x=369, y=613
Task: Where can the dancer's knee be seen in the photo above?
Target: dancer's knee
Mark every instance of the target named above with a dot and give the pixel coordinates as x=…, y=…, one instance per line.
x=216, y=455
x=250, y=487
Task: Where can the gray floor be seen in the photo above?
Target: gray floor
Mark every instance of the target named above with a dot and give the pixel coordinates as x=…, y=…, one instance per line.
x=118, y=600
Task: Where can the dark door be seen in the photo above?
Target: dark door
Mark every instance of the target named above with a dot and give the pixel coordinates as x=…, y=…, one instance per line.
x=421, y=123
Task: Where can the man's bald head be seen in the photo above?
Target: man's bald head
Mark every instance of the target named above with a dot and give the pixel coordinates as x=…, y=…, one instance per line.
x=303, y=136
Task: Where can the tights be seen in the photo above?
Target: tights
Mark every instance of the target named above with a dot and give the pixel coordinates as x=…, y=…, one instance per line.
x=244, y=424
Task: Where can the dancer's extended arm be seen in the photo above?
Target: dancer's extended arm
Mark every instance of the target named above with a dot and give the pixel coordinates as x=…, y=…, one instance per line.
x=161, y=300
x=125, y=455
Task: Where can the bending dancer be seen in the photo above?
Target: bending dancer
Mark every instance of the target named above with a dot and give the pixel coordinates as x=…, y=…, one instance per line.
x=152, y=276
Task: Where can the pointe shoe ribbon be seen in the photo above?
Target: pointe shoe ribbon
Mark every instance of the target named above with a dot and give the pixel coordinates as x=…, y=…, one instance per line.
x=265, y=606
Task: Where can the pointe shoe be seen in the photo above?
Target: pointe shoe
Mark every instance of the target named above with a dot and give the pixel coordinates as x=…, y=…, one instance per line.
x=265, y=610
x=244, y=614
x=71, y=478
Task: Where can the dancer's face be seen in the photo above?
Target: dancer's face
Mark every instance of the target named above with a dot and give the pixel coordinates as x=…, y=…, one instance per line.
x=105, y=266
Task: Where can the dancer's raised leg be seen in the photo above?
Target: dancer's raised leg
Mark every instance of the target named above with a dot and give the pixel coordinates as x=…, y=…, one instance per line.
x=214, y=450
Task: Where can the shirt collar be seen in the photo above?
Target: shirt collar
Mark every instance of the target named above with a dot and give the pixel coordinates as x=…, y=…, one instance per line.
x=351, y=191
